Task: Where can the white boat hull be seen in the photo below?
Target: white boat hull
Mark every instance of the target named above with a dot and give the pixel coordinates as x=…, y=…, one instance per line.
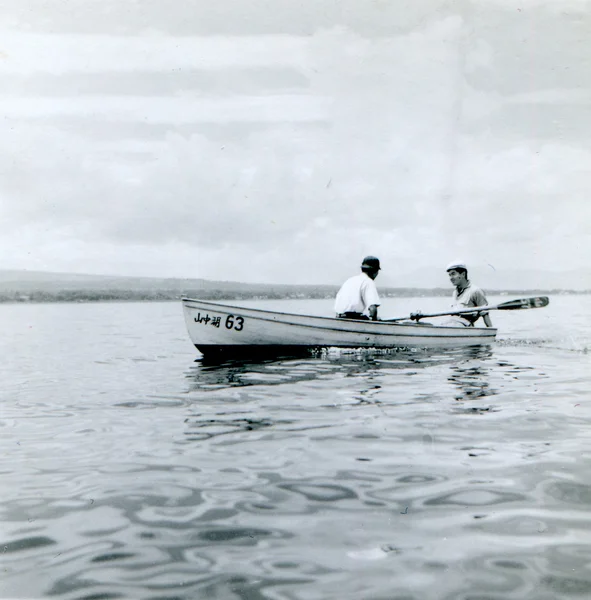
x=215, y=327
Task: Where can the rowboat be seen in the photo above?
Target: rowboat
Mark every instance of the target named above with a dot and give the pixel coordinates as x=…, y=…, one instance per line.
x=220, y=328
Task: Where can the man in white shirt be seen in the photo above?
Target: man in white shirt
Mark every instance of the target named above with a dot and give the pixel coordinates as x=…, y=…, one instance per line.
x=359, y=294
x=466, y=294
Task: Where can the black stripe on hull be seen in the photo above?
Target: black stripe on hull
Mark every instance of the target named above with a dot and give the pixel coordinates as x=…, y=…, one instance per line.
x=285, y=351
x=211, y=352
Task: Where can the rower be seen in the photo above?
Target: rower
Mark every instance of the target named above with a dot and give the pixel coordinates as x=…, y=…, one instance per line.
x=359, y=294
x=466, y=294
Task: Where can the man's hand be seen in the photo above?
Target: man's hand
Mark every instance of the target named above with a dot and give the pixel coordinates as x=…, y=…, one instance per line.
x=472, y=317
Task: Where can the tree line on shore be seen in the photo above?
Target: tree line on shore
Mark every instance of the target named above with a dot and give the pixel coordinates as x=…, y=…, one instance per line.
x=161, y=295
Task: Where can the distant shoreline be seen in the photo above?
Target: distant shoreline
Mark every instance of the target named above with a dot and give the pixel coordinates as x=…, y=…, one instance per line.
x=109, y=295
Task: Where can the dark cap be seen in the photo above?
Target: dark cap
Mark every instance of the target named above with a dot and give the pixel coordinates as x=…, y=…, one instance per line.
x=371, y=262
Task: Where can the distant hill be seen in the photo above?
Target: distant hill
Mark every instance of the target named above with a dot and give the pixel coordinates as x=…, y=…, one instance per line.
x=40, y=286
x=44, y=286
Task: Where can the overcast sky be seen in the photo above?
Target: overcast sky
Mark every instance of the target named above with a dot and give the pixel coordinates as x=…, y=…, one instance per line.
x=281, y=141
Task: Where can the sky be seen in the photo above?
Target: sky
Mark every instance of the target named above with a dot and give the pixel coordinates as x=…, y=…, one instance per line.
x=281, y=141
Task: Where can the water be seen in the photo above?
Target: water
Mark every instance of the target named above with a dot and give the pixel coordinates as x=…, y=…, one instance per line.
x=132, y=469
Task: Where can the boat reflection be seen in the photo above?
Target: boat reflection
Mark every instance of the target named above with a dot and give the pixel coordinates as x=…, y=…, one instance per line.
x=471, y=377
x=216, y=373
x=331, y=377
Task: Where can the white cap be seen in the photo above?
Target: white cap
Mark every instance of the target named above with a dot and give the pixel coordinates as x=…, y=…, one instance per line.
x=456, y=264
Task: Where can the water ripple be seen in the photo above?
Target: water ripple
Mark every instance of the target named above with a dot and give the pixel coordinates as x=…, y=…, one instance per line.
x=132, y=470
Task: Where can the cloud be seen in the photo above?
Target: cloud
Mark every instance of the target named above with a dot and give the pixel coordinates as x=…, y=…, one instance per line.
x=226, y=17
x=179, y=83
x=192, y=190
x=377, y=18
x=154, y=110
x=32, y=53
x=394, y=145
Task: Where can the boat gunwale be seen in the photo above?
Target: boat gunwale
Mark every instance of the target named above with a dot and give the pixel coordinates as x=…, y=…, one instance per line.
x=487, y=332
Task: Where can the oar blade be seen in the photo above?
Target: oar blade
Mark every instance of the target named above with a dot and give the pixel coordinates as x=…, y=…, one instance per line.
x=524, y=303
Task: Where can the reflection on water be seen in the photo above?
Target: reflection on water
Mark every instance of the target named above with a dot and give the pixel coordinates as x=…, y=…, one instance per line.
x=222, y=424
x=472, y=381
x=134, y=471
x=209, y=373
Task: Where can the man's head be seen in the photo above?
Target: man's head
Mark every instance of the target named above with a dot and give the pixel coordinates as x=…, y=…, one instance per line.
x=458, y=273
x=371, y=266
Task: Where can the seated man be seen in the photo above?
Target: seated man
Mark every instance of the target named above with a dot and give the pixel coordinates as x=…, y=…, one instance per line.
x=359, y=293
x=466, y=295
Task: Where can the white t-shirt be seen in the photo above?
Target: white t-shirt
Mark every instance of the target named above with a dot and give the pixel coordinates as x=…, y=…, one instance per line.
x=356, y=295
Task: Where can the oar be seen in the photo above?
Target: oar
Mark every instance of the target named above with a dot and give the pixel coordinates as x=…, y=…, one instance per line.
x=523, y=303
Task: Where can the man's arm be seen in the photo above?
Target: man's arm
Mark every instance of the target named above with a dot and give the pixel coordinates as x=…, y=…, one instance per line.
x=480, y=300
x=370, y=297
x=373, y=312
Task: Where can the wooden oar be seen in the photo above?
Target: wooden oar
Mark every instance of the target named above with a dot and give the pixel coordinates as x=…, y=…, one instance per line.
x=523, y=303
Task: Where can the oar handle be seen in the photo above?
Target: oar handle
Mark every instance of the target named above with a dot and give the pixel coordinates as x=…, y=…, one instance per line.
x=464, y=311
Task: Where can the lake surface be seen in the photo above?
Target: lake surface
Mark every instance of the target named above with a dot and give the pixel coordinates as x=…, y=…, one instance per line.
x=132, y=469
